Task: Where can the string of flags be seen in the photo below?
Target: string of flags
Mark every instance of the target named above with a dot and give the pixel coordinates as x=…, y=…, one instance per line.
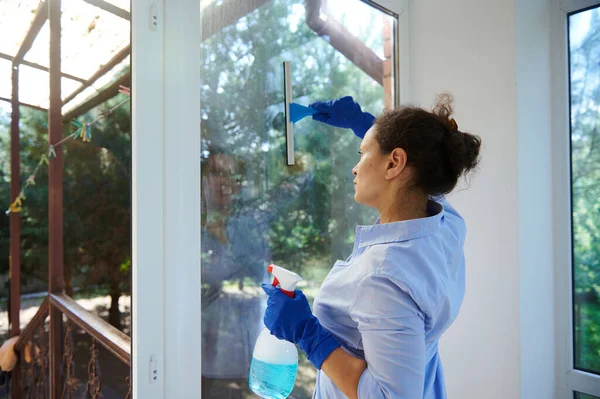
x=82, y=131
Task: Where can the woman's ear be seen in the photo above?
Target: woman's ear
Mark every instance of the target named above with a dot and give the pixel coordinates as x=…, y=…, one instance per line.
x=396, y=163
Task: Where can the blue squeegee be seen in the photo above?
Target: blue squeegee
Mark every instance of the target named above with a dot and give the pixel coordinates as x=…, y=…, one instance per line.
x=299, y=112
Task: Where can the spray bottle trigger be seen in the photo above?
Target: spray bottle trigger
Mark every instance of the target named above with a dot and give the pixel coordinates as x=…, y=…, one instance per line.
x=285, y=279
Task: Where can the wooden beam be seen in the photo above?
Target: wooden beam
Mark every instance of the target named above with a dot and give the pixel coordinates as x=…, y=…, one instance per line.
x=35, y=27
x=55, y=200
x=55, y=122
x=111, y=8
x=103, y=95
x=216, y=17
x=120, y=56
x=15, y=217
x=24, y=104
x=15, y=222
x=344, y=41
x=41, y=67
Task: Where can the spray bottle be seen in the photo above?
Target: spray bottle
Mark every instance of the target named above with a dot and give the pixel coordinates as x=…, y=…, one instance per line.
x=274, y=361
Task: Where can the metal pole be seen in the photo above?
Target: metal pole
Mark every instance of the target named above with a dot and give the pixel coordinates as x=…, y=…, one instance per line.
x=55, y=199
x=15, y=224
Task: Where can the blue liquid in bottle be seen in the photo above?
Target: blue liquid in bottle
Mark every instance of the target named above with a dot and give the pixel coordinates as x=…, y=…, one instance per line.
x=272, y=381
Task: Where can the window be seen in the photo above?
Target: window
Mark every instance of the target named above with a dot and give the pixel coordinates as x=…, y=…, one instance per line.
x=255, y=208
x=584, y=65
x=583, y=373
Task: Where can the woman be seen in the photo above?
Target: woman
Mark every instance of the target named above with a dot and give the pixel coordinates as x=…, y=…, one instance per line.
x=380, y=314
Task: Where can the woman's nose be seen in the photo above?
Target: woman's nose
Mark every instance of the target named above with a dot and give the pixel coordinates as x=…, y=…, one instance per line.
x=354, y=171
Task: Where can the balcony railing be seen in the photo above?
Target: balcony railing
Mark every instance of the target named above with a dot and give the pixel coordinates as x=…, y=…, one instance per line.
x=31, y=376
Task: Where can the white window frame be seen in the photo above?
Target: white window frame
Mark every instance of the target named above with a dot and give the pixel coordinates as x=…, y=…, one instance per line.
x=166, y=198
x=569, y=380
x=166, y=191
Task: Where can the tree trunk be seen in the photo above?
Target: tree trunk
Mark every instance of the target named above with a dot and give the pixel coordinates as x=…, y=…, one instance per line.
x=114, y=314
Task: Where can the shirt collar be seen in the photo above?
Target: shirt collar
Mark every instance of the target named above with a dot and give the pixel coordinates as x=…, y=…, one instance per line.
x=401, y=231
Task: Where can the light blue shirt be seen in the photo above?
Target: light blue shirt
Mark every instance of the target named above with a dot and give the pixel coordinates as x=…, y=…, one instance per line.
x=392, y=299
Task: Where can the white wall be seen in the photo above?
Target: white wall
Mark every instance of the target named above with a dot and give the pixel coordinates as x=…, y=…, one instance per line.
x=494, y=56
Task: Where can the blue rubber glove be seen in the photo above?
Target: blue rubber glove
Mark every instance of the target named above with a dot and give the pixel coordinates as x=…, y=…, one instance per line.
x=292, y=320
x=344, y=112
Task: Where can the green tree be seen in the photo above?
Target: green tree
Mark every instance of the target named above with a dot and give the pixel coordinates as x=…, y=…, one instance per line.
x=34, y=225
x=97, y=203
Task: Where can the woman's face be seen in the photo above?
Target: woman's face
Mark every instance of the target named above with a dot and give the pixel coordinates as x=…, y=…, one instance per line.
x=370, y=172
x=220, y=184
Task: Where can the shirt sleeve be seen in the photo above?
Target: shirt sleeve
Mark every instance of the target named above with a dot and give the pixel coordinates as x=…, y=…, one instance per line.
x=393, y=337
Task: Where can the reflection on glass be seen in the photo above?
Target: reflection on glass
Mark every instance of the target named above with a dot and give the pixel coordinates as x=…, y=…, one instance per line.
x=255, y=209
x=584, y=46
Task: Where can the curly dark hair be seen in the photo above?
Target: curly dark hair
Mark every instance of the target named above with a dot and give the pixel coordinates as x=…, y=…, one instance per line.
x=438, y=151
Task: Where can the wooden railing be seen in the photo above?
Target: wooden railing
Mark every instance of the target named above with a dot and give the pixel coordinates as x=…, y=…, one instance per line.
x=38, y=320
x=31, y=377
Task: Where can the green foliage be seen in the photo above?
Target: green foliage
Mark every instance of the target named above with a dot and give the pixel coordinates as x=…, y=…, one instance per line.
x=34, y=217
x=587, y=336
x=97, y=204
x=97, y=198
x=4, y=190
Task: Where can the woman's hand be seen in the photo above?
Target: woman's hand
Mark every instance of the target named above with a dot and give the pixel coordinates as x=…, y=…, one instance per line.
x=345, y=113
x=285, y=317
x=292, y=320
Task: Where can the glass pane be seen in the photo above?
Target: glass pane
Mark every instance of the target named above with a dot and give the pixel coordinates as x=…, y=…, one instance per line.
x=15, y=19
x=579, y=395
x=90, y=38
x=584, y=47
x=257, y=210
